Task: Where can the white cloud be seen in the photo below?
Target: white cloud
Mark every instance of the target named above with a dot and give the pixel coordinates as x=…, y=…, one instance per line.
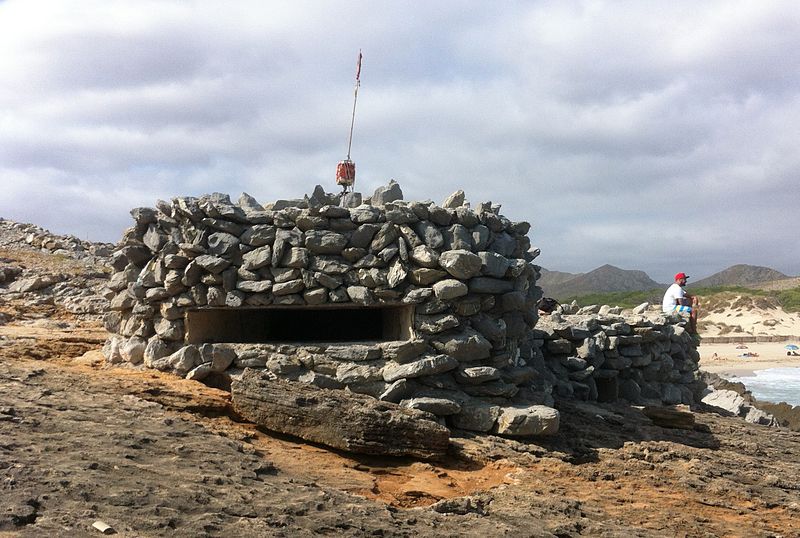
x=639, y=134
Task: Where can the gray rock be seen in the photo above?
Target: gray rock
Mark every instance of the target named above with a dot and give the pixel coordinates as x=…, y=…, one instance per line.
x=286, y=288
x=454, y=200
x=316, y=296
x=493, y=264
x=222, y=244
x=372, y=278
x=296, y=257
x=403, y=351
x=133, y=350
x=348, y=373
x=220, y=357
x=198, y=373
x=400, y=214
x=449, y=288
x=389, y=193
x=251, y=286
x=425, y=256
x=153, y=239
x=387, y=234
x=467, y=345
x=235, y=299
x=320, y=380
x=258, y=258
x=365, y=214
x=169, y=330
x=480, y=237
x=437, y=406
x=429, y=365
x=476, y=375
x=212, y=264
x=258, y=235
x=503, y=244
x=360, y=295
x=495, y=286
x=440, y=216
x=476, y=416
x=397, y=274
x=346, y=421
x=397, y=391
x=334, y=212
x=325, y=242
x=353, y=352
x=757, y=416
x=527, y=421
x=727, y=400
x=424, y=276
x=182, y=361
x=37, y=283
x=417, y=295
x=329, y=265
x=285, y=274
x=430, y=234
x=436, y=323
x=457, y=237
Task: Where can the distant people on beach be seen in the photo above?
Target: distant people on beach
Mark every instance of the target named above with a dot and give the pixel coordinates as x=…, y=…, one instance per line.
x=676, y=300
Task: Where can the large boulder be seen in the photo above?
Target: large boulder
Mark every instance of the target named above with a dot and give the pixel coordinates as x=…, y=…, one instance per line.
x=527, y=421
x=339, y=419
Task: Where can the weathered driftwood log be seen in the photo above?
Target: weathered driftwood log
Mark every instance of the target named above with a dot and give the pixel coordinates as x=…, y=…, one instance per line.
x=339, y=419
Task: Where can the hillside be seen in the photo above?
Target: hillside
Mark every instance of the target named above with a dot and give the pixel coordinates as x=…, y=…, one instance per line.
x=739, y=275
x=606, y=278
x=550, y=279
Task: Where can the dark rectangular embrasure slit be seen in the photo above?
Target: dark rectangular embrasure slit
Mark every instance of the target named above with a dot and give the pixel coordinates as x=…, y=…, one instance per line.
x=265, y=325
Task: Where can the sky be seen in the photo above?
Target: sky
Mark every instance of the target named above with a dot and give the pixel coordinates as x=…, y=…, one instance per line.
x=661, y=136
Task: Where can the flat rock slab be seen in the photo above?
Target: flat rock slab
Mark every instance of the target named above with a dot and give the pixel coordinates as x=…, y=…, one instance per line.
x=339, y=419
x=668, y=417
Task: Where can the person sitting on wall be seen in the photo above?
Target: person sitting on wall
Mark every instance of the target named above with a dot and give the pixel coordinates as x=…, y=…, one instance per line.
x=676, y=300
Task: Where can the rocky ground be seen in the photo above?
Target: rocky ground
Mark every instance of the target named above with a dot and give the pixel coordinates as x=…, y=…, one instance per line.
x=154, y=455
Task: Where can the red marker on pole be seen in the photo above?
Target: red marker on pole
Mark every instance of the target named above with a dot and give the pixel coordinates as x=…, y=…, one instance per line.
x=346, y=169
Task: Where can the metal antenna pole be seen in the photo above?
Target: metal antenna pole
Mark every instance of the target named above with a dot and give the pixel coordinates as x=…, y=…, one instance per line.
x=355, y=99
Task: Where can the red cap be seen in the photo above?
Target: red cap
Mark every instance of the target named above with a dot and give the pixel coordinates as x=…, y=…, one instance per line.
x=680, y=275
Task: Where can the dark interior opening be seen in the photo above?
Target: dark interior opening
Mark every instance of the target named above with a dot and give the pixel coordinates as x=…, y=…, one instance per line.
x=607, y=389
x=265, y=325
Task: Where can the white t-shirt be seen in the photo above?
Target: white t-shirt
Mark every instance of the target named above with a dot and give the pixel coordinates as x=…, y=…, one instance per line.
x=673, y=293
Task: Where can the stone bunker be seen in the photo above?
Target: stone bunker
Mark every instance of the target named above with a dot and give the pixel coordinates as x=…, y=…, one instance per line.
x=429, y=306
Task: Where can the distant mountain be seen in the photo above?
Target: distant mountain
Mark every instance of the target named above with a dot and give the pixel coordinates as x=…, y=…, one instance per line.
x=739, y=275
x=603, y=279
x=554, y=278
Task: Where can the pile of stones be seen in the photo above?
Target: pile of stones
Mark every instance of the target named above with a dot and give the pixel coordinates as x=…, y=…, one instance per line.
x=14, y=234
x=605, y=353
x=474, y=358
x=465, y=271
x=77, y=286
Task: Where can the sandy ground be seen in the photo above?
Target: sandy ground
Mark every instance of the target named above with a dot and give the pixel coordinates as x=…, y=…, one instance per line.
x=726, y=359
x=750, y=320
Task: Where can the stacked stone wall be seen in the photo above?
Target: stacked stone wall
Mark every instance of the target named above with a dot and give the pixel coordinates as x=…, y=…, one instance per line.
x=475, y=357
x=643, y=357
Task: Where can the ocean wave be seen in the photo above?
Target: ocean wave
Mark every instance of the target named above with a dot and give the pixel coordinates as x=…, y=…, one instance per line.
x=774, y=385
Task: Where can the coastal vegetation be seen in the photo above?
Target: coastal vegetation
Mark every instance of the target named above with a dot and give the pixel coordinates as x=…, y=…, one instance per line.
x=712, y=298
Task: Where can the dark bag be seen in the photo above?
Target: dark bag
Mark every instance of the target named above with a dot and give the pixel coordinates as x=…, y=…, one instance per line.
x=548, y=304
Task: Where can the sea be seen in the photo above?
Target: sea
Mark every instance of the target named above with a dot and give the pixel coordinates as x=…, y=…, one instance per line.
x=774, y=384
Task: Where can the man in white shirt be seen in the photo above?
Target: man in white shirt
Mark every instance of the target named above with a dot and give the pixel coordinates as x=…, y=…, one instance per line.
x=676, y=300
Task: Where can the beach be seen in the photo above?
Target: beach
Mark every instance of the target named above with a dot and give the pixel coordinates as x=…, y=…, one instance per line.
x=725, y=359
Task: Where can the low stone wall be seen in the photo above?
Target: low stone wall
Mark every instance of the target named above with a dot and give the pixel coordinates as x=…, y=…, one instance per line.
x=464, y=274
x=647, y=357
